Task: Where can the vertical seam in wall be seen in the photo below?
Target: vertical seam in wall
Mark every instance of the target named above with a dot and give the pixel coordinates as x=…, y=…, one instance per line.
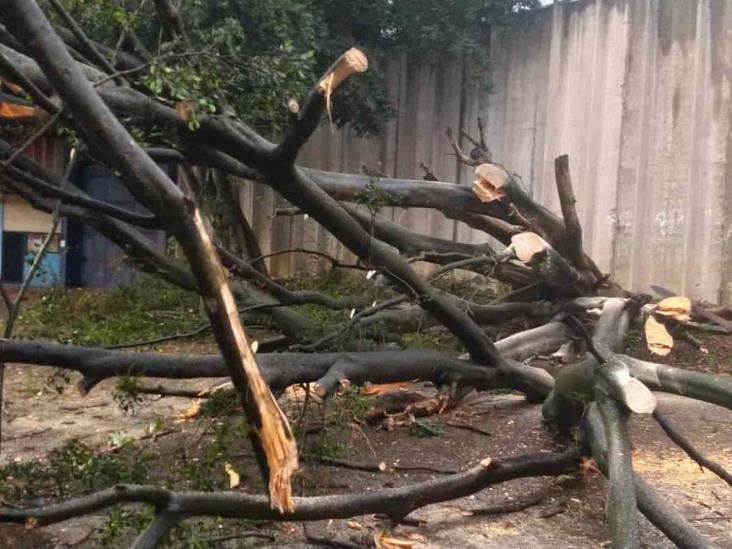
x=461, y=122
x=397, y=125
x=648, y=80
x=595, y=121
x=689, y=221
x=615, y=227
x=724, y=294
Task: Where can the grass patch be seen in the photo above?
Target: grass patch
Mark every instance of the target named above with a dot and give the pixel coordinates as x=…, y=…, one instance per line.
x=150, y=308
x=72, y=469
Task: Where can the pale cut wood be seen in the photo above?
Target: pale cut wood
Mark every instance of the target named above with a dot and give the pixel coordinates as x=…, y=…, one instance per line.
x=527, y=244
x=658, y=340
x=637, y=397
x=351, y=62
x=489, y=182
x=677, y=307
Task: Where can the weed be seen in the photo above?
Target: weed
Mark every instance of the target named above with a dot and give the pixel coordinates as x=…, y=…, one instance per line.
x=438, y=341
x=206, y=471
x=632, y=338
x=72, y=469
x=347, y=406
x=121, y=522
x=219, y=403
x=422, y=429
x=328, y=444
x=126, y=393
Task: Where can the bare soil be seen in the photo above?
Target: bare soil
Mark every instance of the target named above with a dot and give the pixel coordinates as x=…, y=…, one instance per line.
x=566, y=512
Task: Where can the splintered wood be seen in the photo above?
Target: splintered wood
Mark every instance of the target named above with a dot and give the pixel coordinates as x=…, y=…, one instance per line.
x=489, y=182
x=269, y=424
x=349, y=63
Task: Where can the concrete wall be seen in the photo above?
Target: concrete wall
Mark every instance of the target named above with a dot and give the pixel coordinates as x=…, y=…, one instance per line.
x=637, y=92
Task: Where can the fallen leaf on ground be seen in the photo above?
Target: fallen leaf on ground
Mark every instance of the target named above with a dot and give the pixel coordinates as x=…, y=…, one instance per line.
x=354, y=525
x=193, y=412
x=380, y=389
x=234, y=478
x=588, y=465
x=382, y=540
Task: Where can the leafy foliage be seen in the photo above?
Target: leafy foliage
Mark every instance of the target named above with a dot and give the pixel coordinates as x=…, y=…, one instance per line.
x=148, y=309
x=71, y=469
x=251, y=57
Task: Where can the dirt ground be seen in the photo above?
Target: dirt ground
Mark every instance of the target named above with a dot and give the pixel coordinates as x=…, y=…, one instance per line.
x=566, y=512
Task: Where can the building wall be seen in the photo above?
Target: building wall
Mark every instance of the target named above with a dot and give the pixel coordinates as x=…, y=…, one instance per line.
x=637, y=92
x=102, y=263
x=25, y=228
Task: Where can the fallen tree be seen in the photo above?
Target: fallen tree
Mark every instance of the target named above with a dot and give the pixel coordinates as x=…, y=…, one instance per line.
x=542, y=258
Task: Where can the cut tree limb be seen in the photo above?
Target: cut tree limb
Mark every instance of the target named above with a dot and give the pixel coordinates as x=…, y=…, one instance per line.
x=572, y=226
x=280, y=370
x=396, y=503
x=271, y=433
x=550, y=266
x=656, y=509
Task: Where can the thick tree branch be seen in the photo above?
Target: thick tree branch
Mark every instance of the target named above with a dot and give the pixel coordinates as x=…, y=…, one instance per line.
x=159, y=528
x=280, y=370
x=271, y=433
x=170, y=20
x=88, y=47
x=622, y=506
x=573, y=229
x=351, y=62
x=660, y=377
x=396, y=503
x=656, y=509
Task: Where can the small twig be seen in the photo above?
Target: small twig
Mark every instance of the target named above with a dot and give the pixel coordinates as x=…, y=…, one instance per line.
x=155, y=435
x=461, y=156
x=69, y=408
x=468, y=427
x=162, y=339
x=82, y=38
x=580, y=329
x=702, y=327
x=375, y=467
x=428, y=175
x=240, y=535
x=467, y=136
x=40, y=98
x=481, y=133
x=691, y=451
x=693, y=341
x=305, y=404
x=28, y=435
x=186, y=335
x=334, y=262
x=508, y=506
x=328, y=542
